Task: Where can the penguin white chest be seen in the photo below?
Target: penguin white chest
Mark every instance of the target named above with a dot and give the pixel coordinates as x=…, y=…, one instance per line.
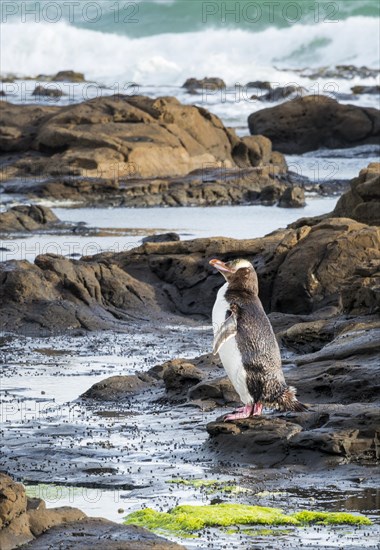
x=229, y=352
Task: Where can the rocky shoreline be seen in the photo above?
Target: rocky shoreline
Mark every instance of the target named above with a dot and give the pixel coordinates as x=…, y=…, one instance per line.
x=319, y=282
x=137, y=152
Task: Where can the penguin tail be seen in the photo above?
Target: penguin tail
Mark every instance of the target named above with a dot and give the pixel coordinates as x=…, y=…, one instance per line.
x=288, y=401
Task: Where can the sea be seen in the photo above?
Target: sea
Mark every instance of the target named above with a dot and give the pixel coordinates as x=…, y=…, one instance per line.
x=152, y=47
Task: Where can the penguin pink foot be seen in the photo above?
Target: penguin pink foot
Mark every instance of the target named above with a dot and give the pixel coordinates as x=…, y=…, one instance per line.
x=245, y=412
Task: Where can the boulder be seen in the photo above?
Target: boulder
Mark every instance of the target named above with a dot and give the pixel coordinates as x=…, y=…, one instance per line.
x=161, y=238
x=373, y=90
x=259, y=85
x=292, y=197
x=329, y=430
x=282, y=92
x=210, y=83
x=117, y=388
x=339, y=259
x=26, y=218
x=68, y=76
x=56, y=293
x=308, y=123
x=179, y=376
x=45, y=91
x=362, y=201
x=117, y=137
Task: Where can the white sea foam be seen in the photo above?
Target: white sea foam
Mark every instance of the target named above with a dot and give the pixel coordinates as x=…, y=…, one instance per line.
x=235, y=55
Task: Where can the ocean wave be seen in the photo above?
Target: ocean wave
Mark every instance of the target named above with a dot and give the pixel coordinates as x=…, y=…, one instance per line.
x=235, y=55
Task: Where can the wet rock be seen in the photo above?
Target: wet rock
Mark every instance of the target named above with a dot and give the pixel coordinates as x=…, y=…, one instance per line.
x=119, y=387
x=12, y=500
x=209, y=188
x=271, y=194
x=161, y=238
x=102, y=534
x=311, y=122
x=68, y=76
x=115, y=138
x=280, y=93
x=347, y=72
x=26, y=218
x=179, y=376
x=56, y=293
x=325, y=280
x=260, y=85
x=42, y=519
x=210, y=83
x=339, y=259
x=45, y=91
x=373, y=90
x=329, y=430
x=292, y=197
x=216, y=392
x=362, y=201
x=254, y=150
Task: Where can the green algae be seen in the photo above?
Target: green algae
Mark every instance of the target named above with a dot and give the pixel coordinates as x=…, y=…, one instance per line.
x=331, y=518
x=210, y=485
x=185, y=519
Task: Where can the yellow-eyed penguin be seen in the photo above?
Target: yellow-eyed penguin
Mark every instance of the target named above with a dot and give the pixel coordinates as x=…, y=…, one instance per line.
x=247, y=346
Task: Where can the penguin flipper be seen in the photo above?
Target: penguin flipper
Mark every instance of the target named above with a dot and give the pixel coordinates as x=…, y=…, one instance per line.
x=227, y=330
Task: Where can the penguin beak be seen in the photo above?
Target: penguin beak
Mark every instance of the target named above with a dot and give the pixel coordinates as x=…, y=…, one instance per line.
x=221, y=266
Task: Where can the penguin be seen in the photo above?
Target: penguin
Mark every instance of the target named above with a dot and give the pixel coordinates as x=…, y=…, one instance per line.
x=246, y=343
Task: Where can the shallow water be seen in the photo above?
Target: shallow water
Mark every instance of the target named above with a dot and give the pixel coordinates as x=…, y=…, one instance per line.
x=239, y=222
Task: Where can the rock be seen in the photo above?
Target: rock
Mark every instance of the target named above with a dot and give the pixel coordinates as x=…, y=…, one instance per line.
x=114, y=138
x=161, y=238
x=340, y=261
x=218, y=390
x=366, y=90
x=271, y=194
x=47, y=92
x=102, y=534
x=207, y=83
x=362, y=201
x=292, y=197
x=27, y=522
x=117, y=388
x=253, y=150
x=311, y=122
x=328, y=430
x=68, y=76
x=12, y=500
x=259, y=85
x=210, y=188
x=56, y=293
x=41, y=519
x=277, y=94
x=179, y=376
x=26, y=218
x=347, y=72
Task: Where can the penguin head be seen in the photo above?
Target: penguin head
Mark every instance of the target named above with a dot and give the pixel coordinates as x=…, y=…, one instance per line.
x=239, y=274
